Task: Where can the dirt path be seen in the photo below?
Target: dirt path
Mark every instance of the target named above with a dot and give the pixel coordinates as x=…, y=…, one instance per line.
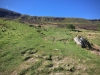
x=95, y=50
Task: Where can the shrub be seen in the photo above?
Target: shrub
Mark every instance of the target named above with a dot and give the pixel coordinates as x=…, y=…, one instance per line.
x=71, y=27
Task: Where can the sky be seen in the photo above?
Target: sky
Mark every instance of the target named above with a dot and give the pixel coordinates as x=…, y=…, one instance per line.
x=88, y=9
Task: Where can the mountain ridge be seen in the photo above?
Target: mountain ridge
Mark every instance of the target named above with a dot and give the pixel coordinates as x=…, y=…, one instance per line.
x=5, y=13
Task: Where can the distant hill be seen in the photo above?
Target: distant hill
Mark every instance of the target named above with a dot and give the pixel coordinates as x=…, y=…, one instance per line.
x=38, y=19
x=8, y=14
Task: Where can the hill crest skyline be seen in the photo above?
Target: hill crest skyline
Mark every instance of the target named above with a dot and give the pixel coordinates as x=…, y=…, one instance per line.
x=4, y=9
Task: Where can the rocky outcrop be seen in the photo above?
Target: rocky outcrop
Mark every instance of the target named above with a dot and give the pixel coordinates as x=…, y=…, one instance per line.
x=83, y=42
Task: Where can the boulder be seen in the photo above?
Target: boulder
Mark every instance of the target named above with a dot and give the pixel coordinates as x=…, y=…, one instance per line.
x=83, y=42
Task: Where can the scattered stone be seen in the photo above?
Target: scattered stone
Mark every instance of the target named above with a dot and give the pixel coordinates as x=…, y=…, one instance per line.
x=79, y=60
x=56, y=49
x=42, y=46
x=84, y=69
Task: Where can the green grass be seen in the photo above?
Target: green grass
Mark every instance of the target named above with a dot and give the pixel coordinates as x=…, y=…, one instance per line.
x=20, y=42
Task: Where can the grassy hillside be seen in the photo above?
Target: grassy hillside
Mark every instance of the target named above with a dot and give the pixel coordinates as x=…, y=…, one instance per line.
x=45, y=50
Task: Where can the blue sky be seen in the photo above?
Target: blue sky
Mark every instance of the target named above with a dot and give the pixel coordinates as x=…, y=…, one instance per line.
x=88, y=9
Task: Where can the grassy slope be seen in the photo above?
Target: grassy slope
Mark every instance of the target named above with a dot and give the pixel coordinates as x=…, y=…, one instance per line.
x=19, y=43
